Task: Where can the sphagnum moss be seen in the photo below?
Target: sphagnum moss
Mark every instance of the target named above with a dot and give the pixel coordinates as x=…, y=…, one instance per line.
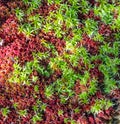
x=67, y=66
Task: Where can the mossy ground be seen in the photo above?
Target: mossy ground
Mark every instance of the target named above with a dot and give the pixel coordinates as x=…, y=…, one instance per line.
x=59, y=61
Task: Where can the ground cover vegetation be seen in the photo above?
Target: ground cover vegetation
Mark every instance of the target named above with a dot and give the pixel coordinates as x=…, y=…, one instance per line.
x=59, y=61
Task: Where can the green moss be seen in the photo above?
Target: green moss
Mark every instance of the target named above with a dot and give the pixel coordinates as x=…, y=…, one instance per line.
x=5, y=111
x=101, y=104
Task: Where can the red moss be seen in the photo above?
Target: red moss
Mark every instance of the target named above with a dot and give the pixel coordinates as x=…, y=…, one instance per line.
x=45, y=9
x=91, y=15
x=95, y=73
x=58, y=43
x=82, y=120
x=91, y=119
x=79, y=88
x=91, y=45
x=4, y=13
x=16, y=44
x=104, y=30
